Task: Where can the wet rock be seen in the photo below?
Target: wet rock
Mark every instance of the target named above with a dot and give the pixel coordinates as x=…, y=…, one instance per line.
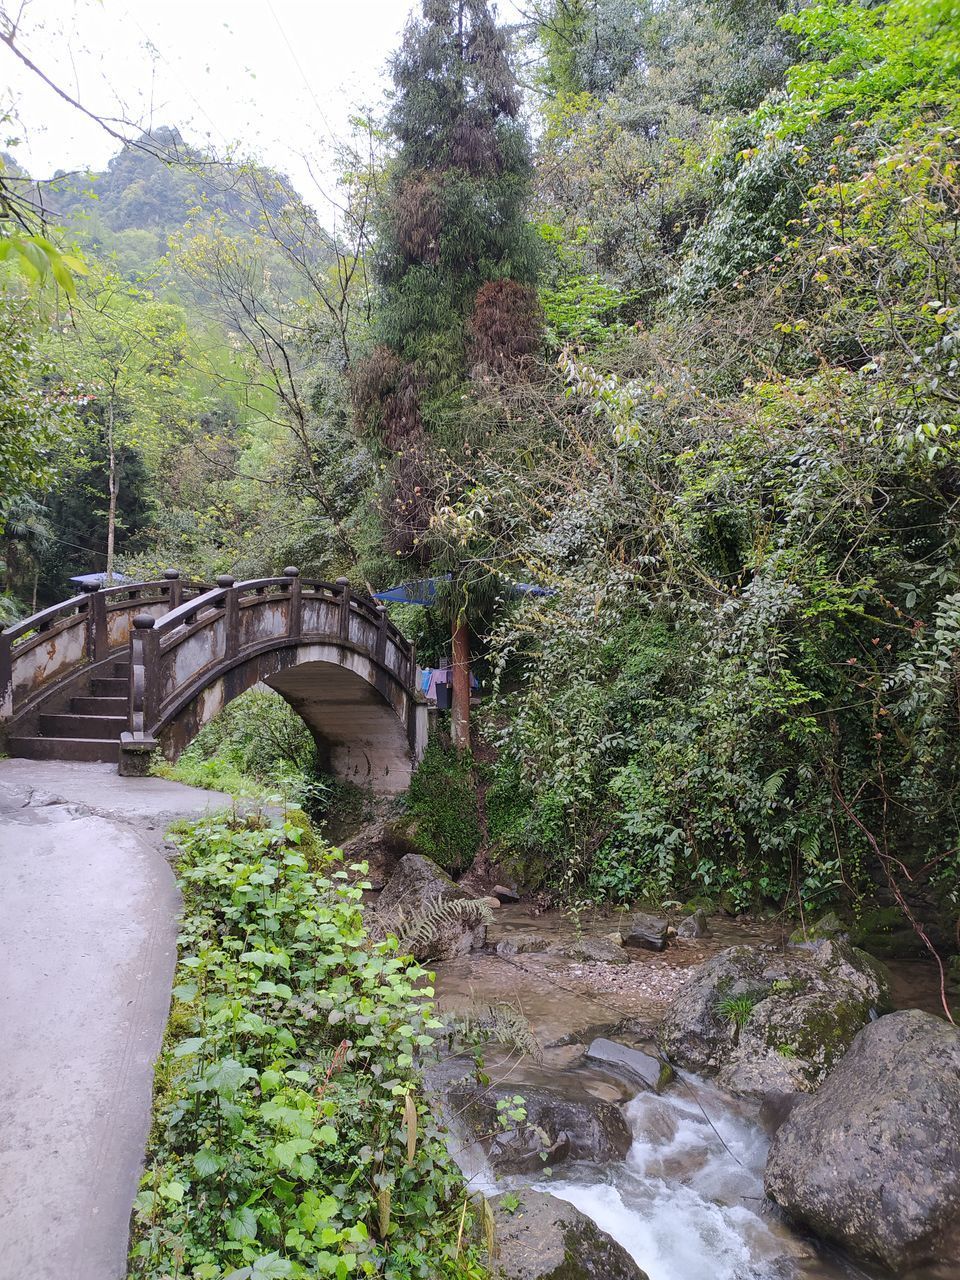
x=775, y=1107
x=543, y=1238
x=590, y=950
x=514, y=944
x=872, y=1159
x=642, y=1068
x=504, y=894
x=560, y=1123
x=693, y=926
x=646, y=931
x=416, y=886
x=770, y=1021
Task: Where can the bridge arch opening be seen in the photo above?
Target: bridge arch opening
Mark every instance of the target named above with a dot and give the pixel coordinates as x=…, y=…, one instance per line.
x=358, y=716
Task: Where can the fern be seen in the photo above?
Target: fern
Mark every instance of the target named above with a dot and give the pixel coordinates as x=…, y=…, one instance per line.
x=423, y=928
x=502, y=1023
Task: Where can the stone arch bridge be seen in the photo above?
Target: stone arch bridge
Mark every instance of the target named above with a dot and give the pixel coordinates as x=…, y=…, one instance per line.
x=119, y=672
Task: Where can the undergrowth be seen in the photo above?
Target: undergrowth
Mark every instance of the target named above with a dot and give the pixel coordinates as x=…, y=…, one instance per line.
x=291, y=1137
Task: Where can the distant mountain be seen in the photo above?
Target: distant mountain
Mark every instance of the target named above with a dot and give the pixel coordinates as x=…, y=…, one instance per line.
x=150, y=190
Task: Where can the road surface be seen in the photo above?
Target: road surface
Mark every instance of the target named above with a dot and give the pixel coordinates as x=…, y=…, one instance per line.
x=88, y=917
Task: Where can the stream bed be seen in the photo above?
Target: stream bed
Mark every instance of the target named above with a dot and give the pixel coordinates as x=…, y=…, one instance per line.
x=687, y=1202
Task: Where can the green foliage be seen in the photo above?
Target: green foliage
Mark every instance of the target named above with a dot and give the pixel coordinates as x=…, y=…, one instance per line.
x=36, y=416
x=737, y=1009
x=745, y=681
x=442, y=807
x=291, y=1135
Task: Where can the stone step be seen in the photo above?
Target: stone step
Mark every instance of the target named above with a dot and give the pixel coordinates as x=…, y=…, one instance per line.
x=82, y=750
x=73, y=726
x=121, y=669
x=87, y=705
x=109, y=687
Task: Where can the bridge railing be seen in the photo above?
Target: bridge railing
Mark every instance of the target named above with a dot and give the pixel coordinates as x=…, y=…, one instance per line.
x=46, y=648
x=174, y=657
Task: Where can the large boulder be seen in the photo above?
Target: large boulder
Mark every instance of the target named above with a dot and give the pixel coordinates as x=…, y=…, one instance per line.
x=872, y=1159
x=543, y=1238
x=562, y=1123
x=770, y=1021
x=409, y=901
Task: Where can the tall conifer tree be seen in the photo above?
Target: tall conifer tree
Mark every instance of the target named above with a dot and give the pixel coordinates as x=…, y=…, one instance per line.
x=456, y=264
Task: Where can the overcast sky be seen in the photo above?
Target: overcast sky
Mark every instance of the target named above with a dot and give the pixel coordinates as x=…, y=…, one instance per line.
x=279, y=77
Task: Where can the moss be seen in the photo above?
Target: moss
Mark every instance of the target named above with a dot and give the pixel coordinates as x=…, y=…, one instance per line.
x=883, y=931
x=820, y=1036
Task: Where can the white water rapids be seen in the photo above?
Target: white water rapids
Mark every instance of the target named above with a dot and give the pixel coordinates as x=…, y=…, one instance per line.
x=687, y=1202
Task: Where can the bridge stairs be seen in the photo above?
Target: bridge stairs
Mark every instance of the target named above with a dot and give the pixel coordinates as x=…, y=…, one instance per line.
x=86, y=721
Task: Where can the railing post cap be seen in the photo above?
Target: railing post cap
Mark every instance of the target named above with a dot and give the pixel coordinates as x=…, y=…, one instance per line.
x=225, y=580
x=291, y=571
x=171, y=574
x=144, y=621
x=343, y=582
x=90, y=588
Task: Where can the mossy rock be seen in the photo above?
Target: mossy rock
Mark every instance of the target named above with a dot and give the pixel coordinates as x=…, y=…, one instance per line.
x=316, y=852
x=700, y=903
x=811, y=1000
x=828, y=926
x=884, y=932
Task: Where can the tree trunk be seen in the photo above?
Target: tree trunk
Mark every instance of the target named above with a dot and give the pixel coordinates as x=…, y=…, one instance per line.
x=460, y=711
x=112, y=508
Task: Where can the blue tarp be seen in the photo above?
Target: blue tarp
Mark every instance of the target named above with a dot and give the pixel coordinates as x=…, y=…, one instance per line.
x=424, y=591
x=99, y=580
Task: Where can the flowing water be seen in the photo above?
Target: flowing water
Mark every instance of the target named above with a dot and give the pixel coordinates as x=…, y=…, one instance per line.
x=688, y=1202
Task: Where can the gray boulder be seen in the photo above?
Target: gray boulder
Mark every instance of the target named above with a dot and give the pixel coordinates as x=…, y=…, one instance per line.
x=638, y=1067
x=416, y=886
x=646, y=932
x=562, y=1123
x=872, y=1159
x=544, y=1238
x=381, y=846
x=773, y=1022
x=514, y=944
x=590, y=951
x=693, y=926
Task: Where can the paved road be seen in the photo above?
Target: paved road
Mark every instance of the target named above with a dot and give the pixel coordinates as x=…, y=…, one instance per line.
x=88, y=910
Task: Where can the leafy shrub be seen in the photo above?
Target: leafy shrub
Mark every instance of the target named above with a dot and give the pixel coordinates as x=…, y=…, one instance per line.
x=291, y=1137
x=442, y=807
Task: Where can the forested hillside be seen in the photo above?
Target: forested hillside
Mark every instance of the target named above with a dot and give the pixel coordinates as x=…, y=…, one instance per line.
x=670, y=333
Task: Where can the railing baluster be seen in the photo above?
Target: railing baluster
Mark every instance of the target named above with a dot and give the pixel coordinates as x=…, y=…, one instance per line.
x=6, y=676
x=295, y=616
x=344, y=586
x=172, y=576
x=231, y=615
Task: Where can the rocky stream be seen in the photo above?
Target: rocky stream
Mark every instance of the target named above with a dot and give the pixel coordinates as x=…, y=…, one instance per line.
x=691, y=1098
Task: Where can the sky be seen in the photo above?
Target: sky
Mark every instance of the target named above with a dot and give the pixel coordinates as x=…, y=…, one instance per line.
x=279, y=78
